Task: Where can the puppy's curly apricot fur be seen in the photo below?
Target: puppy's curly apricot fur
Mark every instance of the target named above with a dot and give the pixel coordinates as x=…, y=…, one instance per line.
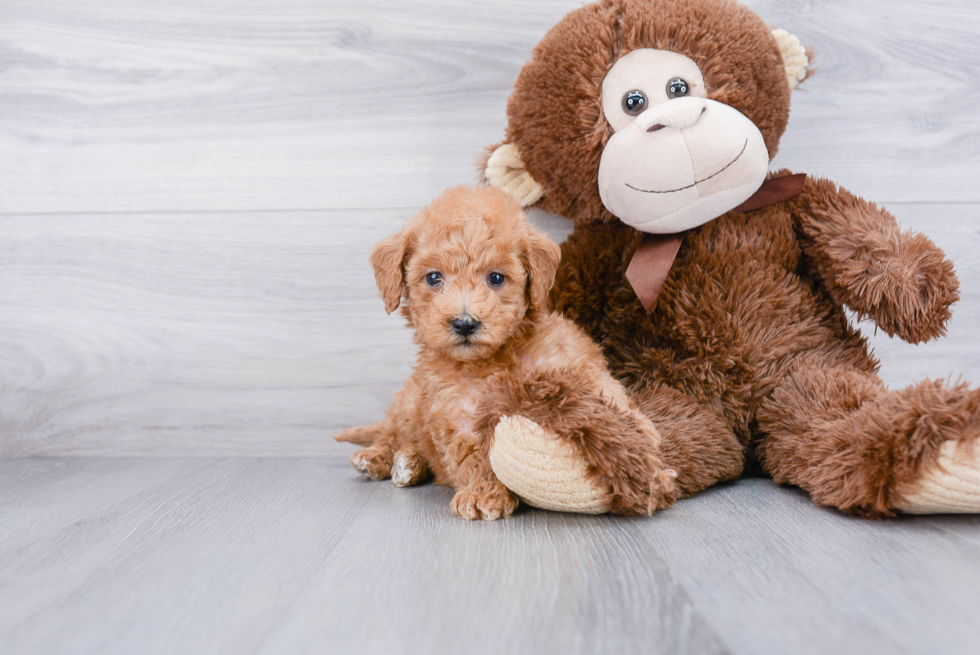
x=472, y=278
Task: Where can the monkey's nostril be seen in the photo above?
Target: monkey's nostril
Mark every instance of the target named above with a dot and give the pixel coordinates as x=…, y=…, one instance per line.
x=654, y=128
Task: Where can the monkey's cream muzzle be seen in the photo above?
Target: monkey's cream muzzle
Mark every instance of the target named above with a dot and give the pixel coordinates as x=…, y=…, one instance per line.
x=681, y=161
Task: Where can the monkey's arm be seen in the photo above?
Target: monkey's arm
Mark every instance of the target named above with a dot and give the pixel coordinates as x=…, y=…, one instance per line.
x=901, y=280
x=592, y=258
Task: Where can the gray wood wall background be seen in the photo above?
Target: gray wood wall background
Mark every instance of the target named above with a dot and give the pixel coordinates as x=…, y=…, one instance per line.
x=189, y=191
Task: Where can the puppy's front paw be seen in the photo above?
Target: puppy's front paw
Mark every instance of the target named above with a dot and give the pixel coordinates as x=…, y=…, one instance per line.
x=487, y=502
x=638, y=496
x=373, y=462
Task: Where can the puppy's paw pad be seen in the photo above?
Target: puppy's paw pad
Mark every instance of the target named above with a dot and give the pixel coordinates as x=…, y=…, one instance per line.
x=401, y=474
x=360, y=462
x=407, y=471
x=373, y=464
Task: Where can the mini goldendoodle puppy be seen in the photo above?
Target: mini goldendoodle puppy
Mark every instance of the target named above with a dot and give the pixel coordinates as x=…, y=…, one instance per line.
x=472, y=277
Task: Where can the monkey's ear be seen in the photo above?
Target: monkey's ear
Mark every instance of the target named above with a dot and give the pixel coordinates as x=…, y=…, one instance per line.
x=794, y=55
x=506, y=171
x=543, y=256
x=388, y=260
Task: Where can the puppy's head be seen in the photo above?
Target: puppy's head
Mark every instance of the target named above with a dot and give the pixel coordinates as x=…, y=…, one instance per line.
x=466, y=270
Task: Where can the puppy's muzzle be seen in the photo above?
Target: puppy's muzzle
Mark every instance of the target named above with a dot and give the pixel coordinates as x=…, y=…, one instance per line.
x=465, y=325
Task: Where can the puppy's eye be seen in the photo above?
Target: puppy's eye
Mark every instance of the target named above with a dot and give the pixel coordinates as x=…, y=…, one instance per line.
x=495, y=279
x=433, y=279
x=634, y=102
x=677, y=88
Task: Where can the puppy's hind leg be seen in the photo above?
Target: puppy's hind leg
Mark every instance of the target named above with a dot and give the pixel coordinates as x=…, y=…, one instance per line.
x=382, y=437
x=409, y=468
x=374, y=462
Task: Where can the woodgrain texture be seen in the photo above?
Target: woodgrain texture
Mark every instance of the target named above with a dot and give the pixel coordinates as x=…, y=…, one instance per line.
x=259, y=333
x=188, y=194
x=142, y=105
x=297, y=555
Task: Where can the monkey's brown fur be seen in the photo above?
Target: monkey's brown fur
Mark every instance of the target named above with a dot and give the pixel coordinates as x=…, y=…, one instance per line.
x=522, y=356
x=748, y=352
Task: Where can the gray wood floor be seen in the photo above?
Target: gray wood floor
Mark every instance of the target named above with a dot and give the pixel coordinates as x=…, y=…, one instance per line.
x=188, y=193
x=292, y=555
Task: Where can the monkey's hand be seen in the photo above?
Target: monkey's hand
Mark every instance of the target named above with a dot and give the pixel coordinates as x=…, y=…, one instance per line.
x=901, y=280
x=590, y=257
x=558, y=444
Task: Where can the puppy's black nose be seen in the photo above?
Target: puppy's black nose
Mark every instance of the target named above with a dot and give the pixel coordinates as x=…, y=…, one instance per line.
x=464, y=327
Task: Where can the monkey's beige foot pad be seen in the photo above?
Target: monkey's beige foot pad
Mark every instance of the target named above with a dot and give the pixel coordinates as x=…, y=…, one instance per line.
x=543, y=470
x=952, y=486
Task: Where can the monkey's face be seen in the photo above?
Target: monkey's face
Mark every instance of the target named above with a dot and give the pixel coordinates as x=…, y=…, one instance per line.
x=677, y=159
x=658, y=113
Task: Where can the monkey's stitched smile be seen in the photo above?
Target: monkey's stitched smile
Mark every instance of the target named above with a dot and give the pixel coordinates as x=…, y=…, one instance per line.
x=744, y=146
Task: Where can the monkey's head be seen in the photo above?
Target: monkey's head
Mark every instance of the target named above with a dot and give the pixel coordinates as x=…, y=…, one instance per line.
x=661, y=113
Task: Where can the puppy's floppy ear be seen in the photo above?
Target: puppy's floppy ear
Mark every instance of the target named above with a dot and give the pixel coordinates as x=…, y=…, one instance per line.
x=388, y=260
x=543, y=256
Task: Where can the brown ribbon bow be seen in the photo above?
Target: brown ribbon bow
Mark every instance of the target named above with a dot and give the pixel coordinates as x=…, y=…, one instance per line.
x=652, y=261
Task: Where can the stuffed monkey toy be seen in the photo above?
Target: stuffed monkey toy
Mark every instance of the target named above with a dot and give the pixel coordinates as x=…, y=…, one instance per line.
x=716, y=288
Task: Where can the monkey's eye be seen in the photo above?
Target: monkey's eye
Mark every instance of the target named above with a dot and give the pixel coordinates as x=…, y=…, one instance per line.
x=495, y=279
x=634, y=102
x=677, y=88
x=433, y=279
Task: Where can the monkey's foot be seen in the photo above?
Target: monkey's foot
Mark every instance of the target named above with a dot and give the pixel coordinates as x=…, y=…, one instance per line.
x=542, y=470
x=951, y=486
